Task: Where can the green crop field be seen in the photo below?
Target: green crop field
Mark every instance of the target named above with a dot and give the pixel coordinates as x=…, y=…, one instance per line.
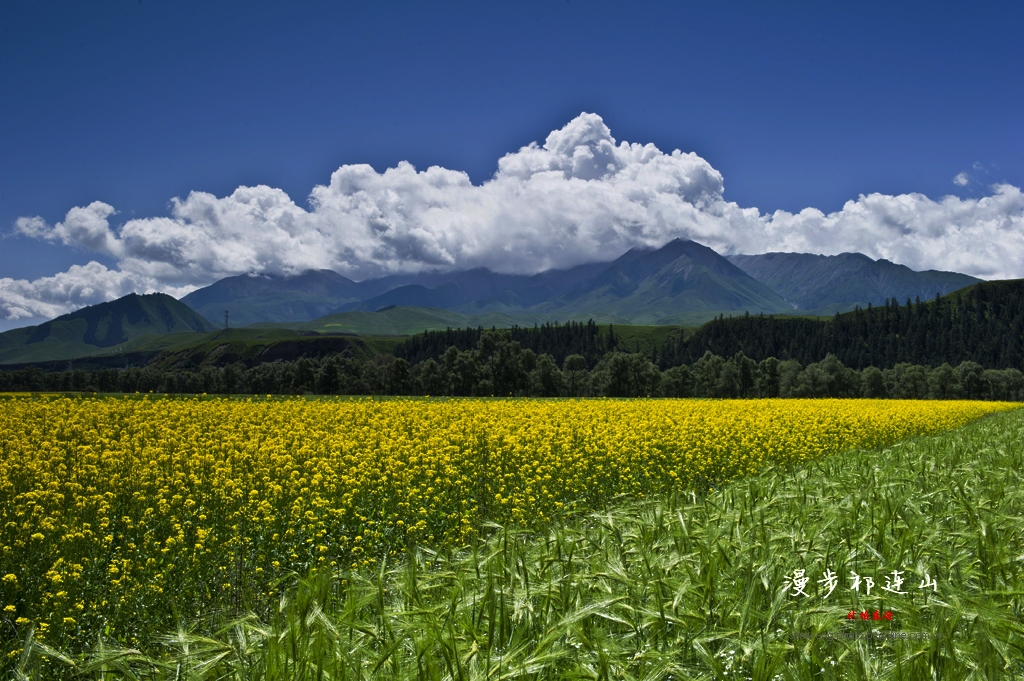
x=696, y=586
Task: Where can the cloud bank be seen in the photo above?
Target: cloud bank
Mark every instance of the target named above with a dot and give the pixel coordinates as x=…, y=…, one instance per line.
x=578, y=197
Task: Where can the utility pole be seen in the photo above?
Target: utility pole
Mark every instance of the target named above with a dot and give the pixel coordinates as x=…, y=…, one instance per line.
x=225, y=320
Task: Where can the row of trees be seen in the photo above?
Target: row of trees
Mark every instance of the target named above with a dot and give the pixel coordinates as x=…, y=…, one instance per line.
x=557, y=340
x=499, y=365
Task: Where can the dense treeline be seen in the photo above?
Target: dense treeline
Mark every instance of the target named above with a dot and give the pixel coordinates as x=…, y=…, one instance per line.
x=984, y=324
x=499, y=365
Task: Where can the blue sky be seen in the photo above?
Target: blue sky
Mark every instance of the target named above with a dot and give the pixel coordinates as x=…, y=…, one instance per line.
x=795, y=105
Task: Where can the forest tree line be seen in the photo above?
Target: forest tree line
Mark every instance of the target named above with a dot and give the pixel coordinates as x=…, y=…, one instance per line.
x=498, y=364
x=984, y=324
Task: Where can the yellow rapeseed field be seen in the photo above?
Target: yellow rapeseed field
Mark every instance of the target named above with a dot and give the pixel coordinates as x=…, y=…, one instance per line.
x=120, y=506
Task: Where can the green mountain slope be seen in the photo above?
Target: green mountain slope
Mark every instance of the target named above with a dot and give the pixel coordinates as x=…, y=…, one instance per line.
x=840, y=282
x=99, y=329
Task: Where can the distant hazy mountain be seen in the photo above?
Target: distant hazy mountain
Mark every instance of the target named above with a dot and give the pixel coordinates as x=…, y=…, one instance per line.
x=841, y=281
x=480, y=288
x=446, y=296
x=252, y=298
x=264, y=298
x=100, y=327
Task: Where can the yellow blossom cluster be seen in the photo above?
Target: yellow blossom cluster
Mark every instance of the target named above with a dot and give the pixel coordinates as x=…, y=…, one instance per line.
x=114, y=507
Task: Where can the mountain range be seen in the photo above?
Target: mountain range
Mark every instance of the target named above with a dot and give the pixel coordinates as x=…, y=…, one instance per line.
x=682, y=283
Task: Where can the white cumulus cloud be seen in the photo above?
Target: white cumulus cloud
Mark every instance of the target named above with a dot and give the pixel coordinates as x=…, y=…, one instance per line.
x=581, y=196
x=86, y=227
